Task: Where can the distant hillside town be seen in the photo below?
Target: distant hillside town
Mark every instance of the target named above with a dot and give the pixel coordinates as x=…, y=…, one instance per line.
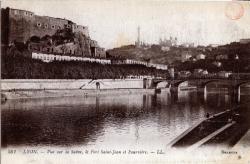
x=189, y=59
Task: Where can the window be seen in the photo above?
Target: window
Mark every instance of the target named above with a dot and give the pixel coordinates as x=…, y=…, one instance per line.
x=53, y=27
x=15, y=12
x=39, y=24
x=31, y=14
x=46, y=26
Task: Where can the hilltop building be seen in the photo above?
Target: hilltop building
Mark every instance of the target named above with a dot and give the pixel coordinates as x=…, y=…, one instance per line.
x=188, y=45
x=222, y=57
x=185, y=56
x=43, y=34
x=244, y=41
x=138, y=42
x=200, y=56
x=168, y=42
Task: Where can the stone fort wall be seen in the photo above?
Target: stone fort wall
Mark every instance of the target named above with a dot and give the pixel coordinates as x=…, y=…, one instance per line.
x=25, y=24
x=21, y=25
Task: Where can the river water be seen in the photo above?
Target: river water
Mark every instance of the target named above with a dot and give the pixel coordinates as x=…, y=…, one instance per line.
x=113, y=121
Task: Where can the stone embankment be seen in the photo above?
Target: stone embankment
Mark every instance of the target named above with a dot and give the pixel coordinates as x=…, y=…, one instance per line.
x=38, y=88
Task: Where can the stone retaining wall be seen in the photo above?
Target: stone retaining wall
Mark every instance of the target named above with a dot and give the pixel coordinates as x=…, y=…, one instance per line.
x=38, y=84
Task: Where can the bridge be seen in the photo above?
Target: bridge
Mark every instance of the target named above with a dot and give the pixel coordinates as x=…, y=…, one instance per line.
x=201, y=84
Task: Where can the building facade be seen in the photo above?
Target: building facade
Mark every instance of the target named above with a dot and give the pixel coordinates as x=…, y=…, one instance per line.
x=185, y=56
x=52, y=57
x=200, y=56
x=244, y=41
x=20, y=26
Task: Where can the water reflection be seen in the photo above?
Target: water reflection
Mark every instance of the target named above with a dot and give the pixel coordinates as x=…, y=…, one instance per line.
x=121, y=121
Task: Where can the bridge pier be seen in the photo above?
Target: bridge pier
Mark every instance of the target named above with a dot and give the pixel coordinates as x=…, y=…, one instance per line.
x=174, y=91
x=235, y=94
x=202, y=93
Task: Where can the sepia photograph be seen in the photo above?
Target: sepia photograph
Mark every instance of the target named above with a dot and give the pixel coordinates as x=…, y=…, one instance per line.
x=125, y=81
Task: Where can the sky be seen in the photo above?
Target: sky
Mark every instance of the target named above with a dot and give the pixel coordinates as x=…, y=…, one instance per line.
x=114, y=22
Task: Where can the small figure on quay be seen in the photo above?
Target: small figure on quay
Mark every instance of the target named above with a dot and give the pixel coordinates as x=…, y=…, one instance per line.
x=207, y=115
x=97, y=85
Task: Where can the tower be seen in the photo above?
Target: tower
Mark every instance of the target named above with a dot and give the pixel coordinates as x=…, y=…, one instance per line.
x=138, y=43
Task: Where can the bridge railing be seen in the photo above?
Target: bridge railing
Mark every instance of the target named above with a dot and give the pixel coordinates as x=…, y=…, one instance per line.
x=208, y=78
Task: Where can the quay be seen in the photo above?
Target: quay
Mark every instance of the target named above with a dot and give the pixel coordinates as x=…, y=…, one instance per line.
x=30, y=94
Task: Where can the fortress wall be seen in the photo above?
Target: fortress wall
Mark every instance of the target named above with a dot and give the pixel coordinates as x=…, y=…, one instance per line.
x=4, y=26
x=20, y=25
x=42, y=26
x=82, y=29
x=25, y=24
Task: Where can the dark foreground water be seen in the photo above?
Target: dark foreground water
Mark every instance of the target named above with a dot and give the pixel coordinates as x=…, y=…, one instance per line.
x=115, y=121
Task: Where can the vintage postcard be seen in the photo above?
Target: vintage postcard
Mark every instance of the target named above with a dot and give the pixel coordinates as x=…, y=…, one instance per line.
x=125, y=81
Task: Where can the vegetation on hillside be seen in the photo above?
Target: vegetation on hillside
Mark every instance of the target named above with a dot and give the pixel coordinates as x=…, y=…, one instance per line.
x=19, y=67
x=154, y=54
x=173, y=56
x=236, y=66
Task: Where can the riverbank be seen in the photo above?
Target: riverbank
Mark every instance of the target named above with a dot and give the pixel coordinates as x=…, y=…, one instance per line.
x=44, y=88
x=60, y=84
x=24, y=94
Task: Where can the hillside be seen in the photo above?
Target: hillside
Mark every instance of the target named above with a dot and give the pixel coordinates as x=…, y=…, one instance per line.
x=173, y=56
x=155, y=54
x=17, y=66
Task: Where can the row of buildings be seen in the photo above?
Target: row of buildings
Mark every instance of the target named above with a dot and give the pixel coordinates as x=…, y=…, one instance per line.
x=186, y=56
x=204, y=73
x=53, y=57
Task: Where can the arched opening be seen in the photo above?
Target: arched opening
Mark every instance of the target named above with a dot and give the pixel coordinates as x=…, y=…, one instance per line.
x=181, y=83
x=212, y=83
x=35, y=39
x=163, y=84
x=216, y=91
x=46, y=37
x=241, y=92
